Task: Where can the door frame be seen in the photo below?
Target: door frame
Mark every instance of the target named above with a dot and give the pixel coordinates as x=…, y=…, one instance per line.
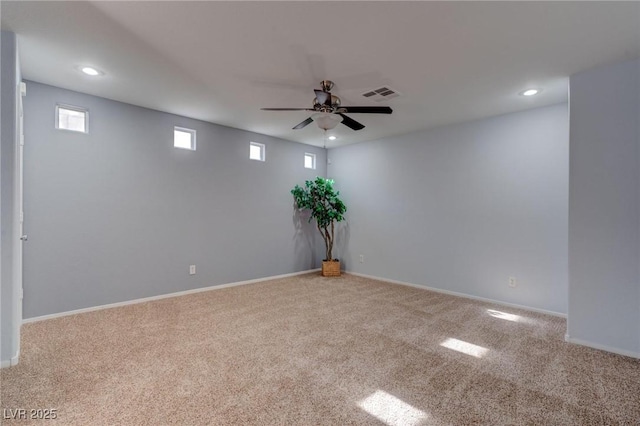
x=18, y=292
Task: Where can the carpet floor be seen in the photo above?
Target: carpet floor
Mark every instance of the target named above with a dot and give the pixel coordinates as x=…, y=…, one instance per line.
x=311, y=350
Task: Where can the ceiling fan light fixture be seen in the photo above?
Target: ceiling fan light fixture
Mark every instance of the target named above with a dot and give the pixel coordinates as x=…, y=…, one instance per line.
x=327, y=120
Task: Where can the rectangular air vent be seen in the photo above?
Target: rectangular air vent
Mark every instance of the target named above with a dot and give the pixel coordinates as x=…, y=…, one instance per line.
x=381, y=94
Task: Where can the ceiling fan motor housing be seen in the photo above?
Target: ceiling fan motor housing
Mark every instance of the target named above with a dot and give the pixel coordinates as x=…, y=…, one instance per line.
x=335, y=104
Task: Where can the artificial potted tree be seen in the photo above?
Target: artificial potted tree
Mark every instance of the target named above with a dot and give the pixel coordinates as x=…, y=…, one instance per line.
x=326, y=208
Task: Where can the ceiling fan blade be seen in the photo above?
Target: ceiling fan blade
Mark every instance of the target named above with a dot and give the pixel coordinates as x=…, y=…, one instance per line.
x=323, y=97
x=287, y=109
x=351, y=123
x=304, y=123
x=367, y=109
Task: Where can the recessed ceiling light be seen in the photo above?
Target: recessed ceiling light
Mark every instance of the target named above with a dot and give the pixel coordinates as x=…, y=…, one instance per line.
x=530, y=92
x=332, y=138
x=90, y=71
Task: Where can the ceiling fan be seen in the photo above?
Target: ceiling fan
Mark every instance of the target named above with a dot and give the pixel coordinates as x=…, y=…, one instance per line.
x=329, y=111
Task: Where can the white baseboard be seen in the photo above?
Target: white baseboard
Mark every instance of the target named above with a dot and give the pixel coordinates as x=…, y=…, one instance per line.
x=467, y=296
x=618, y=351
x=163, y=296
x=11, y=362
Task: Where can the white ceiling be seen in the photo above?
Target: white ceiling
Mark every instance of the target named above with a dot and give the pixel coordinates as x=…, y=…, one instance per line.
x=222, y=61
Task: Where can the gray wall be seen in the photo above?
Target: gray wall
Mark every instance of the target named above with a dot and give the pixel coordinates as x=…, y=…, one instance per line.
x=9, y=342
x=604, y=207
x=119, y=214
x=463, y=207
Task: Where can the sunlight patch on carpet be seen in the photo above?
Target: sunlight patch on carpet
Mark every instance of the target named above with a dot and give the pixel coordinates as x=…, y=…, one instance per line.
x=504, y=315
x=391, y=410
x=465, y=347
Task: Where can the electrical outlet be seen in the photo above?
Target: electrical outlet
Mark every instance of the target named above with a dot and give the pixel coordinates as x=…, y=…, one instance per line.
x=513, y=283
x=362, y=258
x=192, y=269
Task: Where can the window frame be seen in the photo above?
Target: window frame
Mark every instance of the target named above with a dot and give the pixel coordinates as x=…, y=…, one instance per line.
x=193, y=134
x=263, y=151
x=75, y=108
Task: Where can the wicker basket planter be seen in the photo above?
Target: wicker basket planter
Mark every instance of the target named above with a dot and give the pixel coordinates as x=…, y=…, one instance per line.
x=330, y=268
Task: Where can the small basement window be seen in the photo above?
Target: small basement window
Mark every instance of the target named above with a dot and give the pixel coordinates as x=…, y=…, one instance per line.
x=309, y=160
x=256, y=151
x=72, y=118
x=184, y=138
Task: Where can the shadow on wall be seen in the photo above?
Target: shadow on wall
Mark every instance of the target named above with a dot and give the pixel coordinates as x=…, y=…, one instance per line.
x=342, y=243
x=304, y=237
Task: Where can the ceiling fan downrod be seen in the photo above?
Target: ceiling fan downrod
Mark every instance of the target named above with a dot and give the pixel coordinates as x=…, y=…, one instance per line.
x=326, y=85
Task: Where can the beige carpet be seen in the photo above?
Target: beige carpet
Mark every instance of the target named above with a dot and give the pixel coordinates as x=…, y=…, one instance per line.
x=312, y=350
